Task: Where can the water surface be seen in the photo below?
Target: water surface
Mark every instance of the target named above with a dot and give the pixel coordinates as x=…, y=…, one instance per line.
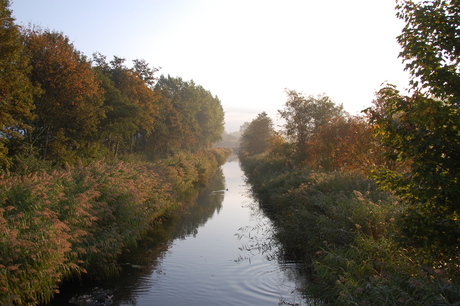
x=218, y=252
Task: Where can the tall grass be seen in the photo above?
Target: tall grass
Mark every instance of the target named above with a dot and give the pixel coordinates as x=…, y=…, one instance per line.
x=65, y=223
x=345, y=231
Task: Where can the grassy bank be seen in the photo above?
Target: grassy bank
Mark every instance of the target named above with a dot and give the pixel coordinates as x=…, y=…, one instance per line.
x=65, y=223
x=345, y=231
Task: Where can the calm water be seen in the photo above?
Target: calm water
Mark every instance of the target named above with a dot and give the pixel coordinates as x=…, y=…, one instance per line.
x=218, y=252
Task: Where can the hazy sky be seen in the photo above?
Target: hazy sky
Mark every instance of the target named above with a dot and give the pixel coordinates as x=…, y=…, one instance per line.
x=244, y=51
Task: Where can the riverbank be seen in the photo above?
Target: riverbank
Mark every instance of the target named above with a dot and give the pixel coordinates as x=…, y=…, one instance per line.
x=77, y=221
x=215, y=251
x=345, y=231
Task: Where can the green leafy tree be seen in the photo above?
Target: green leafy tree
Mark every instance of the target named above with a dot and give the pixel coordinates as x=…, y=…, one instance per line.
x=16, y=91
x=424, y=132
x=243, y=127
x=425, y=127
x=190, y=117
x=145, y=72
x=123, y=117
x=430, y=45
x=256, y=136
x=70, y=108
x=137, y=85
x=166, y=138
x=304, y=115
x=173, y=130
x=210, y=118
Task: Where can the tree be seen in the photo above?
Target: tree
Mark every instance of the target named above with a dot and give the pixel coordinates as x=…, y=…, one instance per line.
x=122, y=118
x=243, y=127
x=344, y=143
x=190, y=117
x=130, y=101
x=137, y=85
x=210, y=118
x=430, y=44
x=229, y=140
x=304, y=116
x=256, y=137
x=145, y=73
x=70, y=108
x=423, y=129
x=426, y=133
x=166, y=137
x=16, y=91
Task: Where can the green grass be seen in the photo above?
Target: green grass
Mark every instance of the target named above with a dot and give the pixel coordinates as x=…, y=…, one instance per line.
x=345, y=230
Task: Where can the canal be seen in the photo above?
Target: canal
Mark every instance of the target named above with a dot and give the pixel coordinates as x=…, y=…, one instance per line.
x=220, y=251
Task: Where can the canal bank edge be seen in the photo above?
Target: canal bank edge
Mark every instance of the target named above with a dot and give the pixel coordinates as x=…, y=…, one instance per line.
x=75, y=222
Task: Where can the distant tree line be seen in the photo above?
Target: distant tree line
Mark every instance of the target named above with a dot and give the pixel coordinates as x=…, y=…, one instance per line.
x=317, y=133
x=229, y=140
x=58, y=105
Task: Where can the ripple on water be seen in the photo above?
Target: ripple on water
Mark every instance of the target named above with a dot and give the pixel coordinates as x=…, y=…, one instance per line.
x=263, y=281
x=213, y=267
x=218, y=282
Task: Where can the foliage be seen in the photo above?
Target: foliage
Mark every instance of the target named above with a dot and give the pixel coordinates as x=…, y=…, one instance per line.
x=420, y=132
x=430, y=44
x=425, y=129
x=255, y=138
x=122, y=115
x=136, y=85
x=77, y=221
x=229, y=140
x=69, y=110
x=191, y=117
x=380, y=272
x=316, y=210
x=16, y=90
x=344, y=143
x=188, y=172
x=425, y=132
x=60, y=107
x=157, y=118
x=344, y=229
x=349, y=232
x=69, y=208
x=304, y=116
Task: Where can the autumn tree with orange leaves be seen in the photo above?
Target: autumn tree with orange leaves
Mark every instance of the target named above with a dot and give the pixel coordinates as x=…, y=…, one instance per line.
x=15, y=88
x=344, y=143
x=70, y=107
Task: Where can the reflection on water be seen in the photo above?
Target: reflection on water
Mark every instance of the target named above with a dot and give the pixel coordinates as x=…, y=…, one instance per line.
x=219, y=251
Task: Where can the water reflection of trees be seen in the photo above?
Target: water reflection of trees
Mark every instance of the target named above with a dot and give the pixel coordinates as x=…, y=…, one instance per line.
x=139, y=263
x=206, y=205
x=259, y=238
x=143, y=261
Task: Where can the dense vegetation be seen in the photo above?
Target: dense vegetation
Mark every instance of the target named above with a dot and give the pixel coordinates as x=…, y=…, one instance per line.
x=370, y=203
x=91, y=154
x=60, y=107
x=78, y=220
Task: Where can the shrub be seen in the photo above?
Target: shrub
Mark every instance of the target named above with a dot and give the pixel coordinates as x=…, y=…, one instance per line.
x=346, y=232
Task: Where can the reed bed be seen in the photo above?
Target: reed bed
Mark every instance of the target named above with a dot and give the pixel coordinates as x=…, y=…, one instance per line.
x=76, y=221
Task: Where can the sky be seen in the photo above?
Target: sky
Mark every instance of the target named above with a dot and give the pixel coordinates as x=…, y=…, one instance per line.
x=245, y=52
